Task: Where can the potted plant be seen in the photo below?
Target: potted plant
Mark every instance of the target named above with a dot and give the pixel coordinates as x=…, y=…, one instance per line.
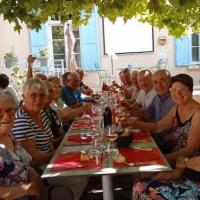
x=43, y=56
x=10, y=59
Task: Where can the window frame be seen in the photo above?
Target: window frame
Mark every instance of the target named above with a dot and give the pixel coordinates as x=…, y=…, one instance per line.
x=195, y=62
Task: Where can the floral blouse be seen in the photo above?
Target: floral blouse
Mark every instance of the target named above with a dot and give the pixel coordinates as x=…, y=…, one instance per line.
x=181, y=130
x=13, y=165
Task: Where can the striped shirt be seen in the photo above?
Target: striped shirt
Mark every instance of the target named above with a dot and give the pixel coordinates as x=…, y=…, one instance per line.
x=25, y=129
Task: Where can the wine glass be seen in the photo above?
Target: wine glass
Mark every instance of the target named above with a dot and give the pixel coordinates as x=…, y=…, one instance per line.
x=111, y=137
x=97, y=149
x=84, y=133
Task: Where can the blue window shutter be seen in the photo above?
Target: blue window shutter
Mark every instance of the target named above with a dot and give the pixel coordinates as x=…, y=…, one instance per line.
x=183, y=51
x=39, y=39
x=89, y=41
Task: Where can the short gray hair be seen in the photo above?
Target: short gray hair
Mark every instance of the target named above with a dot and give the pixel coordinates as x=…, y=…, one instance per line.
x=6, y=95
x=34, y=82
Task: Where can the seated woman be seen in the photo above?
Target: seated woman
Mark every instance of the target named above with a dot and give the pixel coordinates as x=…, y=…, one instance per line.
x=182, y=183
x=54, y=121
x=31, y=128
x=17, y=179
x=183, y=118
x=65, y=113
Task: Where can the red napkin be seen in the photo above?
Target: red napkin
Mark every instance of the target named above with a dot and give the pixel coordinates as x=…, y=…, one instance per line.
x=76, y=139
x=80, y=124
x=90, y=113
x=141, y=135
x=134, y=156
x=71, y=161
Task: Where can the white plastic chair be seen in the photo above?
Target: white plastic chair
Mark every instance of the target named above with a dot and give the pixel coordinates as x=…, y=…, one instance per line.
x=104, y=75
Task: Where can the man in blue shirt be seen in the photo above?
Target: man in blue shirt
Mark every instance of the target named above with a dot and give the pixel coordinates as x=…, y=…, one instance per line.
x=160, y=106
x=162, y=102
x=70, y=93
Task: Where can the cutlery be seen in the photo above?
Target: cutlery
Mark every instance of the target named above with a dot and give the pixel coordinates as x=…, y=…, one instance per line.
x=143, y=149
x=131, y=164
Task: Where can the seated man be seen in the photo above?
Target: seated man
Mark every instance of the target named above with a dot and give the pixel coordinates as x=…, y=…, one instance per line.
x=84, y=89
x=159, y=107
x=65, y=113
x=161, y=103
x=128, y=86
x=70, y=93
x=134, y=77
x=147, y=93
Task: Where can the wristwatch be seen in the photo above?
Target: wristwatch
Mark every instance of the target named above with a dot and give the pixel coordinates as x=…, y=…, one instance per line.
x=186, y=160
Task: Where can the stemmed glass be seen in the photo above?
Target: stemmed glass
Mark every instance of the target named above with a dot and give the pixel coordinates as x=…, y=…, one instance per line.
x=111, y=137
x=84, y=133
x=97, y=149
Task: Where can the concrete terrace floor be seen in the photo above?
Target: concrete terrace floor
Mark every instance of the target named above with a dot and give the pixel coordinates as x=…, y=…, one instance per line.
x=122, y=188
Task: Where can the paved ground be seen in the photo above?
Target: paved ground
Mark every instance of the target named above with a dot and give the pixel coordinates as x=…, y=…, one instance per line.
x=122, y=191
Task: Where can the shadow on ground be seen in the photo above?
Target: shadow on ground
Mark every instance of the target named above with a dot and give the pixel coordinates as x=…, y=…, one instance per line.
x=122, y=188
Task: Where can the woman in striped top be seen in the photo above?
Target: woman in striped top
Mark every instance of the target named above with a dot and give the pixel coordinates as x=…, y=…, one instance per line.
x=31, y=128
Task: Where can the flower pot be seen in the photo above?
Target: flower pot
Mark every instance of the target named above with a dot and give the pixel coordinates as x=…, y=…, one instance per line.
x=43, y=61
x=10, y=62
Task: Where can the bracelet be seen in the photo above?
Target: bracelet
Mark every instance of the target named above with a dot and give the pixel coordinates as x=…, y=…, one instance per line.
x=186, y=160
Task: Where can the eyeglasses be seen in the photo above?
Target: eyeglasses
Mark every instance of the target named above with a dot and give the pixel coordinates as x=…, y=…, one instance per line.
x=178, y=90
x=9, y=111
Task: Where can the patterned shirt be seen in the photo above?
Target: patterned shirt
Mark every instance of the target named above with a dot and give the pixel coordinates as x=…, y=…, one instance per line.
x=14, y=165
x=25, y=129
x=181, y=131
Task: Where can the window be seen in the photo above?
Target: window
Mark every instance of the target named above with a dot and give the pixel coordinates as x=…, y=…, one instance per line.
x=77, y=51
x=58, y=43
x=195, y=47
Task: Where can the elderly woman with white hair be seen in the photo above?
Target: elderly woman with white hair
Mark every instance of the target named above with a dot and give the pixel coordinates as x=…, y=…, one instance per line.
x=17, y=179
x=31, y=129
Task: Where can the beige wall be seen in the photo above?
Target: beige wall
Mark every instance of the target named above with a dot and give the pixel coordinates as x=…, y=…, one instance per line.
x=21, y=43
x=148, y=60
x=9, y=37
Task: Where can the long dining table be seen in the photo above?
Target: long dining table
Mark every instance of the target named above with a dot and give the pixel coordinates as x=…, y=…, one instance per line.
x=143, y=155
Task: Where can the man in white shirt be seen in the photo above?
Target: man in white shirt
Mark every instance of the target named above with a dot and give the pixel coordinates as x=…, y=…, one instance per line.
x=147, y=93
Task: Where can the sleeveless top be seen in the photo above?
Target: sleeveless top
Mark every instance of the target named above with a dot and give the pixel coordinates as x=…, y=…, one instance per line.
x=181, y=131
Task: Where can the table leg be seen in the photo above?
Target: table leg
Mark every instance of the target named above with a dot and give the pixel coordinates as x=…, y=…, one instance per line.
x=107, y=187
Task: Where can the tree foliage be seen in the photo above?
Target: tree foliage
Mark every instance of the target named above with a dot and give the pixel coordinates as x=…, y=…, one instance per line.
x=178, y=16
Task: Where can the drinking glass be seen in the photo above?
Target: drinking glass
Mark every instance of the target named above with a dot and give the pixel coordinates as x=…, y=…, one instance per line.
x=84, y=133
x=111, y=137
x=97, y=149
